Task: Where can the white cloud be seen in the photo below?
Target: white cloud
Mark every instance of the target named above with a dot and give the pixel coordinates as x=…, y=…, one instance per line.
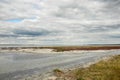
x=61, y=22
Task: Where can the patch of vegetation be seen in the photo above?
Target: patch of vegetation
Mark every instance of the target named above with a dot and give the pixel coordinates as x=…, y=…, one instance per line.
x=58, y=72
x=70, y=48
x=103, y=70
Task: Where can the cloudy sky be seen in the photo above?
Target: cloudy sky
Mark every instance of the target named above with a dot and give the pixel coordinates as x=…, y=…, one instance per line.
x=60, y=22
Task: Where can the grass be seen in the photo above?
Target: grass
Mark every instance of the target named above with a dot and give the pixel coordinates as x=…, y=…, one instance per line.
x=103, y=70
x=57, y=71
x=69, y=48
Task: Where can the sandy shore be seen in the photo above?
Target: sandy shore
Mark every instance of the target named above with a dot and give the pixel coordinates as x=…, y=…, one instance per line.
x=29, y=50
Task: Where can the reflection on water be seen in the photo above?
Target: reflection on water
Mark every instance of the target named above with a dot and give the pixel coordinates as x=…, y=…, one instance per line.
x=12, y=64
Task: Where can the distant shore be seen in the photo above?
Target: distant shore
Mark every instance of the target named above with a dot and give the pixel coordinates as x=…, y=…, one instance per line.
x=57, y=49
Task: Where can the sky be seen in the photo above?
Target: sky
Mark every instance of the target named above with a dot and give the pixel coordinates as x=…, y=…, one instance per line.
x=60, y=22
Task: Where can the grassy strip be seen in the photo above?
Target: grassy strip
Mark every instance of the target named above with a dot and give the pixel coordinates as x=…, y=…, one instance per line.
x=103, y=70
x=69, y=48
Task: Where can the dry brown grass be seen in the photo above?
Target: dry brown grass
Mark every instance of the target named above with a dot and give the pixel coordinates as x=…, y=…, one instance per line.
x=103, y=70
x=69, y=48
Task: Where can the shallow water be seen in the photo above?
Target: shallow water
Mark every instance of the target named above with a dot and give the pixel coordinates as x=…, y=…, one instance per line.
x=15, y=65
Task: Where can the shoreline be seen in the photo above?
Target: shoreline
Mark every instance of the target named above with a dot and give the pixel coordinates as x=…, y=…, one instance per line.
x=62, y=49
x=56, y=73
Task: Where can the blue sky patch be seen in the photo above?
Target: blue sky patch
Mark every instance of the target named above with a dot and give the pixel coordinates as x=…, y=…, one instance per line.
x=14, y=20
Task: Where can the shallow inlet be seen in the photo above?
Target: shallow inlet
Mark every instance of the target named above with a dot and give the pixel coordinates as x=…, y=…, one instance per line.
x=16, y=65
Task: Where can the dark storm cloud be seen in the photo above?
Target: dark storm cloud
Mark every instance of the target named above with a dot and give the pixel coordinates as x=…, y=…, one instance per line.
x=31, y=32
x=4, y=1
x=115, y=36
x=103, y=28
x=7, y=35
x=112, y=7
